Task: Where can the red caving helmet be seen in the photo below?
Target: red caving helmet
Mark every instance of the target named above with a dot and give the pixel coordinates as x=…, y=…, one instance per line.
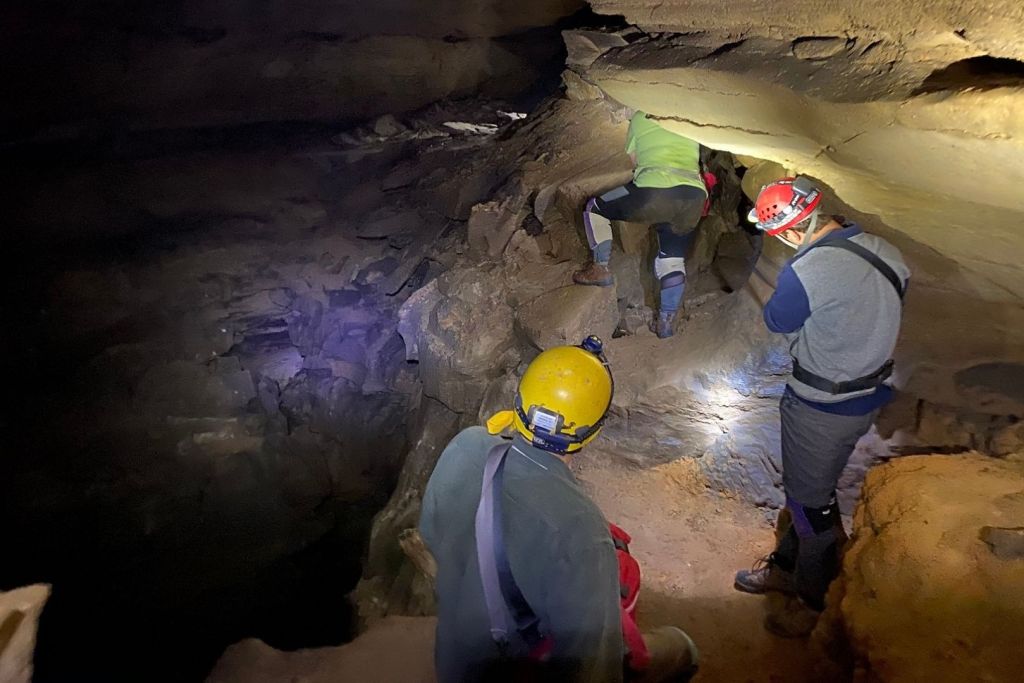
x=784, y=203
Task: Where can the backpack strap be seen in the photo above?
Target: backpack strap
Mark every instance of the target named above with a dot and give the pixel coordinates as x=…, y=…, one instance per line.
x=871, y=257
x=507, y=609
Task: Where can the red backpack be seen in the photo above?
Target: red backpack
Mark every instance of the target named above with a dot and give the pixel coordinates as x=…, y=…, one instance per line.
x=629, y=590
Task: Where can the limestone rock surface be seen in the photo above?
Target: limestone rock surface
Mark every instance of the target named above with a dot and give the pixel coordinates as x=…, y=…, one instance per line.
x=568, y=315
x=19, y=620
x=222, y=64
x=396, y=650
x=435, y=426
x=923, y=29
x=931, y=586
x=803, y=114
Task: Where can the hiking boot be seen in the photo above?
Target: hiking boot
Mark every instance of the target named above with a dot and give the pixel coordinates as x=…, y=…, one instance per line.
x=662, y=326
x=793, y=619
x=673, y=656
x=595, y=274
x=766, y=575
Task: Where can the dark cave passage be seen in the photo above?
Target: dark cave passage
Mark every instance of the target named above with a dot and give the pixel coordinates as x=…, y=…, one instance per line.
x=265, y=260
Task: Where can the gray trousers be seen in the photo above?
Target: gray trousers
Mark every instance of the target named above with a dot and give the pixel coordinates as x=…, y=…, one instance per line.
x=815, y=448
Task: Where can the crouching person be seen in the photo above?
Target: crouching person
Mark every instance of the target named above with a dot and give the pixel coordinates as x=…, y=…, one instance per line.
x=528, y=573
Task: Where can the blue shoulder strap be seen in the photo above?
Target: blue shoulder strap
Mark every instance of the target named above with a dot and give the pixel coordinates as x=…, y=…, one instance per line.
x=507, y=609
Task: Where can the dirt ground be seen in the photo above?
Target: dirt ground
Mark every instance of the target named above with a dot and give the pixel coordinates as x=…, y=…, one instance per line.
x=689, y=542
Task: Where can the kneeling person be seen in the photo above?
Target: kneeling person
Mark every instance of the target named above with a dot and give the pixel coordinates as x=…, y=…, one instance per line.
x=528, y=578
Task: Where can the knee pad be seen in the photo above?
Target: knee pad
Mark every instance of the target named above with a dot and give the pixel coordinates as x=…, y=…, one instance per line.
x=810, y=521
x=598, y=228
x=665, y=266
x=673, y=279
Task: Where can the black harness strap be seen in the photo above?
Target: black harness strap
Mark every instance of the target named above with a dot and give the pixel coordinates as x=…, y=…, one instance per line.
x=818, y=382
x=874, y=259
x=883, y=373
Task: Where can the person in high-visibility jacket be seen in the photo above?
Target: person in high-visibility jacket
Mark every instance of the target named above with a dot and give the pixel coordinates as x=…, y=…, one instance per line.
x=669, y=191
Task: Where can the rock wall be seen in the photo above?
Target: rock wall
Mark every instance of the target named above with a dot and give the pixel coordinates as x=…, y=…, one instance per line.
x=936, y=167
x=114, y=66
x=396, y=649
x=709, y=393
x=210, y=415
x=786, y=99
x=930, y=587
x=934, y=31
x=19, y=619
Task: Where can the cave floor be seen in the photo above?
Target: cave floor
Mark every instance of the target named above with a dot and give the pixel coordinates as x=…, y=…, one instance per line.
x=689, y=542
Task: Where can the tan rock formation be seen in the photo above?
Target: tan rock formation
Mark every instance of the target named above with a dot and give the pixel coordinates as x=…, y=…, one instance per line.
x=931, y=585
x=942, y=167
x=19, y=619
x=933, y=28
x=568, y=314
x=396, y=649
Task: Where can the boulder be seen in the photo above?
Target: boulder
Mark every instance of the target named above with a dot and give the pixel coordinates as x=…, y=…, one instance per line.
x=460, y=330
x=1009, y=439
x=389, y=223
x=577, y=88
x=584, y=47
x=397, y=650
x=499, y=396
x=19, y=620
x=931, y=587
x=387, y=126
x=568, y=314
x=491, y=225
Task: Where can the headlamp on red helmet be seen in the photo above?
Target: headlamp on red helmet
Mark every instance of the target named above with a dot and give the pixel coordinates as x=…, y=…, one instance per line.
x=783, y=204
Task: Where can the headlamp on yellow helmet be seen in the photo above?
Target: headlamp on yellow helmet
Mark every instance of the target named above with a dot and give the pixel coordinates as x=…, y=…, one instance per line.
x=564, y=397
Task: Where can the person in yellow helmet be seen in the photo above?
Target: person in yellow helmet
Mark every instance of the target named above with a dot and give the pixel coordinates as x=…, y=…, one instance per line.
x=527, y=573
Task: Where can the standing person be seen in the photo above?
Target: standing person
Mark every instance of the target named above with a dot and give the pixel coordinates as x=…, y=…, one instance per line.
x=669, y=192
x=839, y=301
x=528, y=583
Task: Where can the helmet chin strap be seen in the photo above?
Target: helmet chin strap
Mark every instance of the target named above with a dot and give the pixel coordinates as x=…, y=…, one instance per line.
x=808, y=235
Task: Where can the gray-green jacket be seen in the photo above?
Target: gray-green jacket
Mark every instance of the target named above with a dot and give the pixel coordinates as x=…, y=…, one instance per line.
x=558, y=546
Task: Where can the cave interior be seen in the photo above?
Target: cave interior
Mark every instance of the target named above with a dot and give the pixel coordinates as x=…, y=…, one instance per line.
x=265, y=259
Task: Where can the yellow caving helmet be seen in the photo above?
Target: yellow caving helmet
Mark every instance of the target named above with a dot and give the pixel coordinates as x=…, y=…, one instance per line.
x=564, y=397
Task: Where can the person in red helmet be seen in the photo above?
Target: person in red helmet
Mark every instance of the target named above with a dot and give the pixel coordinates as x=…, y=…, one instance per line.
x=839, y=302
